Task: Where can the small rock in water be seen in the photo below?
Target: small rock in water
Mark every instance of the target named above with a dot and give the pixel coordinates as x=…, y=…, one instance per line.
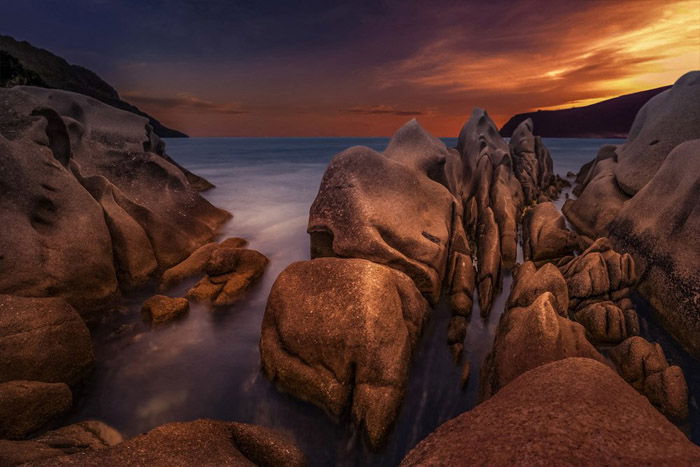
x=161, y=309
x=464, y=377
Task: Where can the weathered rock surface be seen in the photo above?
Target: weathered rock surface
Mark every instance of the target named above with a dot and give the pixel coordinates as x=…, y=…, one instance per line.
x=575, y=410
x=532, y=163
x=644, y=366
x=599, y=273
x=605, y=322
x=43, y=339
x=201, y=442
x=84, y=217
x=161, y=309
x=529, y=337
x=643, y=196
x=26, y=406
x=339, y=333
x=545, y=236
x=78, y=437
x=530, y=283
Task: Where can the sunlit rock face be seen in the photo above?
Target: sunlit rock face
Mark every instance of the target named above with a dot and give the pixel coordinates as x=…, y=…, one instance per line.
x=545, y=236
x=90, y=201
x=576, y=409
x=340, y=333
x=532, y=162
x=644, y=196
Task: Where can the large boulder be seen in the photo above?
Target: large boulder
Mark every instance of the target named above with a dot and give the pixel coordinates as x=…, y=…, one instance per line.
x=529, y=337
x=339, y=333
x=576, y=411
x=43, y=339
x=607, y=323
x=529, y=283
x=79, y=437
x=545, y=236
x=26, y=406
x=365, y=199
x=532, y=163
x=91, y=201
x=201, y=442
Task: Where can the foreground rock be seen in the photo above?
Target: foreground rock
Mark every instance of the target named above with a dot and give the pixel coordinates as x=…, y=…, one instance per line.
x=644, y=366
x=83, y=215
x=643, y=196
x=529, y=337
x=577, y=410
x=201, y=442
x=161, y=309
x=78, y=437
x=339, y=333
x=26, y=406
x=43, y=339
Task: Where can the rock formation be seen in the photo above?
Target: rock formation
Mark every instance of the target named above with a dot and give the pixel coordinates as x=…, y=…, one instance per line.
x=545, y=236
x=575, y=410
x=83, y=216
x=161, y=309
x=643, y=196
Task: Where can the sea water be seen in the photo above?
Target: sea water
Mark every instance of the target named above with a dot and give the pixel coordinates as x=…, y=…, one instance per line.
x=208, y=364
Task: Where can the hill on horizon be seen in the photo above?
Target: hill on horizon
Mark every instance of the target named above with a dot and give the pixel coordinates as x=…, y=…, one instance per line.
x=610, y=118
x=23, y=64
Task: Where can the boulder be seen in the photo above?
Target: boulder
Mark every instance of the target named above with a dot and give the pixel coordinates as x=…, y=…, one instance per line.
x=598, y=274
x=339, y=333
x=605, y=322
x=644, y=366
x=545, y=236
x=193, y=266
x=529, y=283
x=84, y=219
x=200, y=442
x=529, y=337
x=576, y=411
x=161, y=309
x=26, y=406
x=79, y=437
x=489, y=261
x=532, y=163
x=43, y=339
x=365, y=197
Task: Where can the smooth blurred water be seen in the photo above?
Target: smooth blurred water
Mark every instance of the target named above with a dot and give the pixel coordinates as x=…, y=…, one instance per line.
x=208, y=364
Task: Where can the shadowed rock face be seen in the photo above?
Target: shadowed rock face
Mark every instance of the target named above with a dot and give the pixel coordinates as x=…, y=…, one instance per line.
x=91, y=202
x=339, y=333
x=532, y=163
x=201, y=442
x=575, y=409
x=644, y=196
x=545, y=236
x=26, y=406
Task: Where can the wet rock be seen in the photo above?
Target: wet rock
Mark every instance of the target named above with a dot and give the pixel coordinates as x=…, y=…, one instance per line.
x=365, y=197
x=194, y=443
x=193, y=266
x=529, y=283
x=575, y=409
x=78, y=437
x=598, y=272
x=84, y=219
x=339, y=333
x=161, y=309
x=43, y=339
x=464, y=376
x=545, y=236
x=605, y=322
x=26, y=406
x=231, y=273
x=644, y=366
x=456, y=332
x=529, y=337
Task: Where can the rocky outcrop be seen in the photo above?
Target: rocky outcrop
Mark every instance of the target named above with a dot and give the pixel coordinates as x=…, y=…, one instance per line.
x=545, y=236
x=83, y=217
x=339, y=333
x=644, y=366
x=43, y=339
x=643, y=196
x=532, y=164
x=193, y=443
x=577, y=410
x=26, y=406
x=161, y=309
x=605, y=322
x=79, y=437
x=529, y=337
x=529, y=283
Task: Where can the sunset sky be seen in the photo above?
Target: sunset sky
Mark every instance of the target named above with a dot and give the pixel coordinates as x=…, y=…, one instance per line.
x=228, y=68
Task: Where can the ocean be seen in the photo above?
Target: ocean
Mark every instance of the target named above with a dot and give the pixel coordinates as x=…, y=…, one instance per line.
x=208, y=365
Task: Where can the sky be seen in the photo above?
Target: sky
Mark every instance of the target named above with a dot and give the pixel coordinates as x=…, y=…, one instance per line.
x=362, y=68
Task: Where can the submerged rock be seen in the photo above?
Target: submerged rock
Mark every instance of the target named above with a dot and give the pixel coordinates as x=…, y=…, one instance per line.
x=529, y=337
x=26, y=406
x=161, y=309
x=193, y=443
x=575, y=410
x=339, y=333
